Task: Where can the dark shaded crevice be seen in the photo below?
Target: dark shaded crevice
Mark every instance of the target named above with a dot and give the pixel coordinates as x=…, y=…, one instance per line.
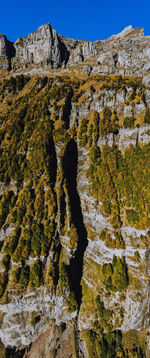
x=137, y=136
x=115, y=58
x=10, y=53
x=75, y=269
x=10, y=49
x=115, y=133
x=43, y=82
x=12, y=352
x=9, y=64
x=64, y=53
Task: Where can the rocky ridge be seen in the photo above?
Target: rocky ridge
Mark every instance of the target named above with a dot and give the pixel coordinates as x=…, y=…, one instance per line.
x=125, y=53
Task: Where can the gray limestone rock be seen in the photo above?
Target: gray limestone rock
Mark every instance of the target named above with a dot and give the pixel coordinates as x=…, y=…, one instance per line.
x=42, y=46
x=7, y=51
x=3, y=47
x=126, y=53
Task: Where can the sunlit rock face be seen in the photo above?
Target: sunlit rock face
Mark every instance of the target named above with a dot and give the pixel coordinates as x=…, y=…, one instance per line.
x=42, y=46
x=125, y=54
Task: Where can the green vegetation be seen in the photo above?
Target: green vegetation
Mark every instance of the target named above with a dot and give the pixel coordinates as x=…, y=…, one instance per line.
x=34, y=124
x=35, y=276
x=3, y=282
x=28, y=168
x=71, y=302
x=135, y=343
x=102, y=345
x=132, y=216
x=109, y=122
x=82, y=132
x=93, y=128
x=104, y=315
x=63, y=276
x=24, y=277
x=137, y=257
x=103, y=342
x=73, y=237
x=111, y=345
x=129, y=122
x=5, y=206
x=53, y=270
x=115, y=276
x=116, y=242
x=95, y=125
x=120, y=182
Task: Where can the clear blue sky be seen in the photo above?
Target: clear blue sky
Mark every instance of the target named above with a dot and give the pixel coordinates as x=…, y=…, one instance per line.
x=86, y=19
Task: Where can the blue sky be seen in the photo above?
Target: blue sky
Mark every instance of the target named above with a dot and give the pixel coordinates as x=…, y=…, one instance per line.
x=89, y=20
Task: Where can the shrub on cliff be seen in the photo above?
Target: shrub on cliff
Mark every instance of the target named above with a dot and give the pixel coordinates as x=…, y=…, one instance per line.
x=147, y=116
x=115, y=276
x=35, y=276
x=71, y=302
x=129, y=122
x=63, y=276
x=83, y=132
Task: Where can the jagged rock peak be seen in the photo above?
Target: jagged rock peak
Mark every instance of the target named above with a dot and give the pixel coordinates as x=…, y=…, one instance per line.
x=129, y=30
x=7, y=51
x=44, y=32
x=125, y=53
x=125, y=31
x=42, y=46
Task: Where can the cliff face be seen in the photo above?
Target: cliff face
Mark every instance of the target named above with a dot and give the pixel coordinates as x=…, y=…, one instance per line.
x=125, y=53
x=74, y=197
x=42, y=47
x=7, y=51
x=74, y=216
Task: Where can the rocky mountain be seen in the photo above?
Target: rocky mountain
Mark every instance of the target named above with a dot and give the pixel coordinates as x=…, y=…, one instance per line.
x=125, y=53
x=75, y=196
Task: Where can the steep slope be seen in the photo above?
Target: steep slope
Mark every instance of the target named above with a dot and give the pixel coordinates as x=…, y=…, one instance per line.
x=74, y=216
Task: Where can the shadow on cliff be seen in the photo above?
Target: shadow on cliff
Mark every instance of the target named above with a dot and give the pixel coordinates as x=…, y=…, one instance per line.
x=75, y=269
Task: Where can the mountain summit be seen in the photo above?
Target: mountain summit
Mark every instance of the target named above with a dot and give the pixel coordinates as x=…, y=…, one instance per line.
x=125, y=53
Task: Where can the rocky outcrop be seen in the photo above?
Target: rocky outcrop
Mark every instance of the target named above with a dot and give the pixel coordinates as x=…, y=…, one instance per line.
x=82, y=52
x=7, y=51
x=42, y=46
x=126, y=53
x=129, y=31
x=3, y=47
